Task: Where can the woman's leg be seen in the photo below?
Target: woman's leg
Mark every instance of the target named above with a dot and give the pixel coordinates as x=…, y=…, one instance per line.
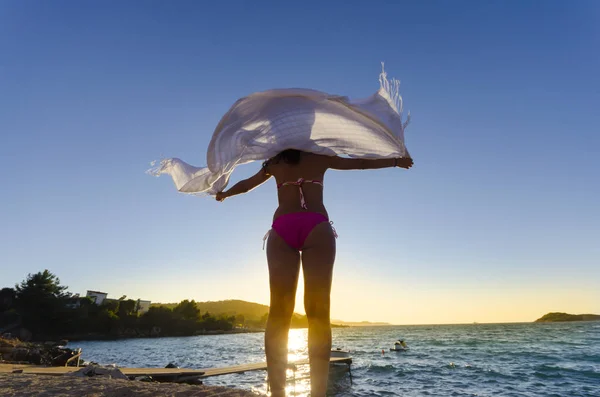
x=318, y=256
x=284, y=266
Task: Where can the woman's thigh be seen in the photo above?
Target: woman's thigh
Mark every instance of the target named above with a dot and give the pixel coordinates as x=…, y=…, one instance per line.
x=284, y=266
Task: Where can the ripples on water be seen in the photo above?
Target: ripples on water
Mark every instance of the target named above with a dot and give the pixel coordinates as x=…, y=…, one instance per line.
x=534, y=359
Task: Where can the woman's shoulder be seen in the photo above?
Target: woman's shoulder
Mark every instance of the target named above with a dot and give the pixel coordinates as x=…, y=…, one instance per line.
x=318, y=160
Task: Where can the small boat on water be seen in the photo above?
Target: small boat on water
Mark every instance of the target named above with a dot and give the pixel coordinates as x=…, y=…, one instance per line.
x=399, y=346
x=339, y=352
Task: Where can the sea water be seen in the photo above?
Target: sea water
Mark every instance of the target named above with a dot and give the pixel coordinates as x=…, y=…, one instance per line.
x=526, y=359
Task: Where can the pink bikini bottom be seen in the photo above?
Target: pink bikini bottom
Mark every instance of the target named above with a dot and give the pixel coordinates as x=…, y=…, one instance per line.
x=294, y=228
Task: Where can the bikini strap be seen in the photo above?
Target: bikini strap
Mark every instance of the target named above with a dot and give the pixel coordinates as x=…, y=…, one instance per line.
x=299, y=183
x=333, y=229
x=266, y=237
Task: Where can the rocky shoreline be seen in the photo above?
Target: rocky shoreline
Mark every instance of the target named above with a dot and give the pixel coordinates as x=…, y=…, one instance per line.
x=26, y=385
x=55, y=354
x=90, y=380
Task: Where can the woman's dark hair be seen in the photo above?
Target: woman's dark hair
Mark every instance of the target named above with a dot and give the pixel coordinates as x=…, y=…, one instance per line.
x=288, y=156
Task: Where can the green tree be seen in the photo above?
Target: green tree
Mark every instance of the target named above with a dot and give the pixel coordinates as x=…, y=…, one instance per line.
x=42, y=285
x=106, y=322
x=188, y=310
x=240, y=319
x=8, y=315
x=40, y=300
x=159, y=316
x=127, y=308
x=111, y=305
x=7, y=297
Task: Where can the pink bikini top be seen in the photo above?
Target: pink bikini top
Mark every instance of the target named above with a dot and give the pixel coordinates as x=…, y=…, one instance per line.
x=299, y=183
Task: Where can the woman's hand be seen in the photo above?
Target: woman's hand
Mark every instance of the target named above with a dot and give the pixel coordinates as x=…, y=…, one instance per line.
x=404, y=162
x=220, y=196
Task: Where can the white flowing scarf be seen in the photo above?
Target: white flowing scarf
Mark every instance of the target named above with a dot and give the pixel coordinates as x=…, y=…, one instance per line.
x=261, y=125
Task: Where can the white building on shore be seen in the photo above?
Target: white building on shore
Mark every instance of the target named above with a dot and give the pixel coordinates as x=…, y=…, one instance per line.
x=141, y=307
x=97, y=296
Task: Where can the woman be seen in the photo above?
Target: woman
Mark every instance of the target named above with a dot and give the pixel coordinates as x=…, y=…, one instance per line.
x=301, y=231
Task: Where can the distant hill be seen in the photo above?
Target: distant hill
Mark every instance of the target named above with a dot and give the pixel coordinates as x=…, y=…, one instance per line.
x=230, y=307
x=557, y=317
x=255, y=312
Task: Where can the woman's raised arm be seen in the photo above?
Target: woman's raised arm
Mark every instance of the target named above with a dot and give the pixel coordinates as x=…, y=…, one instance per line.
x=245, y=185
x=342, y=163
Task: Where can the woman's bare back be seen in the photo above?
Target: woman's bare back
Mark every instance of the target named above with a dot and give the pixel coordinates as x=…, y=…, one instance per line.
x=311, y=167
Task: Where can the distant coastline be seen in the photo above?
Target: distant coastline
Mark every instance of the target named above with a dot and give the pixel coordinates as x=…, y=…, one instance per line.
x=40, y=308
x=358, y=323
x=563, y=317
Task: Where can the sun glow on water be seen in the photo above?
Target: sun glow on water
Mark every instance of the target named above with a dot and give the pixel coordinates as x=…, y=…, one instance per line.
x=298, y=380
x=297, y=344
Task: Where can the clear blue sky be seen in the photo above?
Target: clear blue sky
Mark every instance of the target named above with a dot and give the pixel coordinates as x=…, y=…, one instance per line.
x=499, y=220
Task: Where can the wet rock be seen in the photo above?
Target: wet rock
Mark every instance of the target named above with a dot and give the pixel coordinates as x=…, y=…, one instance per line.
x=155, y=332
x=19, y=354
x=63, y=356
x=129, y=333
x=112, y=373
